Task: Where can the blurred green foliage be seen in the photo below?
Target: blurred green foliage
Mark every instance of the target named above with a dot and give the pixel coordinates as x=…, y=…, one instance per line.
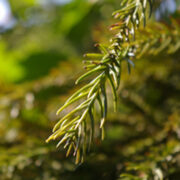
x=40, y=58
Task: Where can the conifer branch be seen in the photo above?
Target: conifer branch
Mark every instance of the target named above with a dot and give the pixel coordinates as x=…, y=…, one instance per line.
x=73, y=129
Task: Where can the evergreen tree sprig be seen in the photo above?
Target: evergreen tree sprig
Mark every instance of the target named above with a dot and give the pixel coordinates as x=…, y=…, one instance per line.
x=73, y=129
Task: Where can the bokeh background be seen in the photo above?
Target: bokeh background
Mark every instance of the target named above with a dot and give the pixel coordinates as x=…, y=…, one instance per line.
x=41, y=47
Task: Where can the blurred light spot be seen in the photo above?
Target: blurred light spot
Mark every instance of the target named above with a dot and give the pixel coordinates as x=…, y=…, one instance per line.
x=14, y=112
x=56, y=2
x=29, y=98
x=60, y=1
x=56, y=165
x=166, y=7
x=158, y=173
x=5, y=12
x=169, y=158
x=6, y=19
x=38, y=162
x=11, y=135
